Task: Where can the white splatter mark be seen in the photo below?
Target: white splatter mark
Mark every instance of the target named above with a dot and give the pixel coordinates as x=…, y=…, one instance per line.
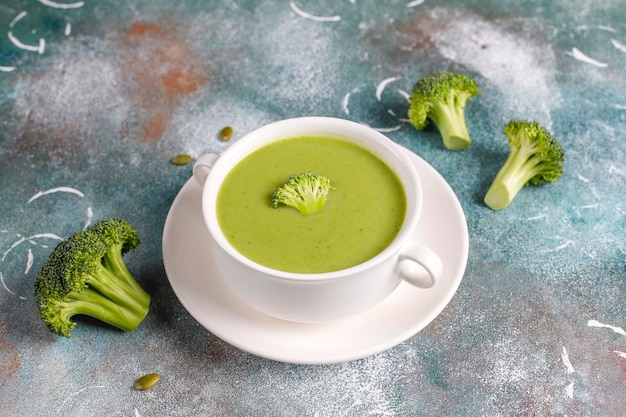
x=566, y=361
x=7, y=69
x=569, y=390
x=30, y=239
x=5, y=285
x=346, y=100
x=313, y=17
x=29, y=261
x=583, y=179
x=344, y=104
x=17, y=18
x=56, y=5
x=381, y=87
x=76, y=393
x=136, y=413
x=607, y=28
x=414, y=3
x=577, y=54
x=595, y=323
x=393, y=113
x=89, y=217
x=620, y=353
x=56, y=190
x=590, y=206
x=599, y=27
x=541, y=216
x=618, y=45
x=615, y=170
x=404, y=94
x=620, y=106
x=560, y=247
x=41, y=47
x=387, y=129
x=32, y=48
x=68, y=29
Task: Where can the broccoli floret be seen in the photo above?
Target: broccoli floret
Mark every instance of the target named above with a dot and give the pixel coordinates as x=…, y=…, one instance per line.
x=306, y=192
x=536, y=157
x=85, y=274
x=441, y=97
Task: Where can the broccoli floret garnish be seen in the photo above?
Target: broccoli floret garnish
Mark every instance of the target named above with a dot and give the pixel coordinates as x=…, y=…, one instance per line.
x=306, y=192
x=441, y=97
x=536, y=157
x=85, y=274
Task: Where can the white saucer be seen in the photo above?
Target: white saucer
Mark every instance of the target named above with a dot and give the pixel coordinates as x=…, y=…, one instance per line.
x=192, y=275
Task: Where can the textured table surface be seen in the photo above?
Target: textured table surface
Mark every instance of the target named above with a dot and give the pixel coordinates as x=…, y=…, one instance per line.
x=97, y=97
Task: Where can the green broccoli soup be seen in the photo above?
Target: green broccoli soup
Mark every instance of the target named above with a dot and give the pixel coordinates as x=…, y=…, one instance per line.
x=363, y=212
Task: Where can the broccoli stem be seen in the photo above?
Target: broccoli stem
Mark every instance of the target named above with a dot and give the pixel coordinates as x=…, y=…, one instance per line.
x=116, y=287
x=113, y=261
x=518, y=169
x=91, y=302
x=450, y=120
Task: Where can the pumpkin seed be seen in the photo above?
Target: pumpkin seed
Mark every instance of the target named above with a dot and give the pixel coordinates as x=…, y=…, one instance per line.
x=147, y=381
x=182, y=159
x=226, y=133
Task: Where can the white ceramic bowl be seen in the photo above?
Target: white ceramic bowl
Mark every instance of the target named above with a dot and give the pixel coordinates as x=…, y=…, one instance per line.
x=324, y=296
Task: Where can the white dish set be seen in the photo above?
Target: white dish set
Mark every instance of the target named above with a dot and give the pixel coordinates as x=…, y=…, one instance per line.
x=317, y=318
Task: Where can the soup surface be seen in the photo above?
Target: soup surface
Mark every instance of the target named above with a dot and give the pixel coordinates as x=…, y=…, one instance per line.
x=362, y=215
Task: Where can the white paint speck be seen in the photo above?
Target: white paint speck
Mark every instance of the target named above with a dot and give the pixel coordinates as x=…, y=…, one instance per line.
x=566, y=361
x=88, y=217
x=541, y=216
x=68, y=29
x=17, y=18
x=387, y=129
x=381, y=87
x=30, y=239
x=618, y=45
x=345, y=103
x=306, y=15
x=595, y=323
x=577, y=54
x=40, y=48
x=5, y=285
x=29, y=261
x=414, y=3
x=56, y=190
x=569, y=390
x=56, y=5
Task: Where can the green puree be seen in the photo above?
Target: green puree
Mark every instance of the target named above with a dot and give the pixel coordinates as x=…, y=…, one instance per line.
x=362, y=215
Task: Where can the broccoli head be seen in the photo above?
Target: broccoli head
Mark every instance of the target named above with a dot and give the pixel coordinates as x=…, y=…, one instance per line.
x=86, y=275
x=441, y=98
x=306, y=192
x=536, y=157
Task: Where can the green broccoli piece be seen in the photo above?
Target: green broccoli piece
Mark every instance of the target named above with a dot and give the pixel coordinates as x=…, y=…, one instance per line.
x=536, y=158
x=85, y=274
x=441, y=97
x=306, y=192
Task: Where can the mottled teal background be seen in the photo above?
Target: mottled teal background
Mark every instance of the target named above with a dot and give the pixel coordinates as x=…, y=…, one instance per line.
x=123, y=86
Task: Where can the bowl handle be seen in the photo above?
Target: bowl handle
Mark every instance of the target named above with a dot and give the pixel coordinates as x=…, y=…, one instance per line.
x=203, y=166
x=419, y=265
